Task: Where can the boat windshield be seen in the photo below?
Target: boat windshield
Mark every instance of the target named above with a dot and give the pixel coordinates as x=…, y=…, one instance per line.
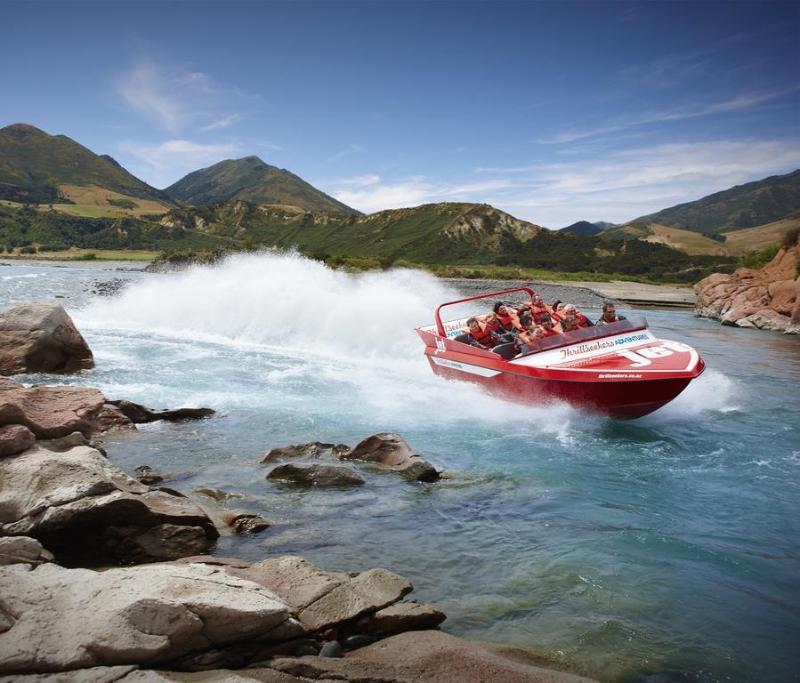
x=585, y=334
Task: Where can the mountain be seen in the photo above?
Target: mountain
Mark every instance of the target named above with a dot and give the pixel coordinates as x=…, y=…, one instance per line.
x=742, y=206
x=251, y=180
x=582, y=228
x=39, y=168
x=604, y=225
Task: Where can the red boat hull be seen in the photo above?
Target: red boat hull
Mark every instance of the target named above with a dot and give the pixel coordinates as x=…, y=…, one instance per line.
x=624, y=400
x=619, y=370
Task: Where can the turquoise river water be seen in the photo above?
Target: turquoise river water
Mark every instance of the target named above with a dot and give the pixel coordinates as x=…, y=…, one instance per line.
x=661, y=549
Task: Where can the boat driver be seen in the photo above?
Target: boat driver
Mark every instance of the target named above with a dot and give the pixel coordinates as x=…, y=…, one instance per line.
x=482, y=337
x=609, y=314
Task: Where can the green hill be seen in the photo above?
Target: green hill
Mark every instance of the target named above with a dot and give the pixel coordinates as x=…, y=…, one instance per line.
x=435, y=234
x=251, y=180
x=743, y=206
x=36, y=167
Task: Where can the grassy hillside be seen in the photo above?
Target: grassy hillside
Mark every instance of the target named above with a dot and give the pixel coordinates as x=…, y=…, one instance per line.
x=250, y=179
x=754, y=239
x=450, y=234
x=39, y=168
x=743, y=206
x=693, y=243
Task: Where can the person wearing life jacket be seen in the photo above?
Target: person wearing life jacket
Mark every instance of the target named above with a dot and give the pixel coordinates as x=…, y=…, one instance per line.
x=569, y=324
x=505, y=316
x=482, y=337
x=538, y=308
x=609, y=314
x=583, y=321
x=548, y=327
x=529, y=332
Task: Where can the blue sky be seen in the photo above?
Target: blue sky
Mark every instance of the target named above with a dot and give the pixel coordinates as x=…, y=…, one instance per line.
x=554, y=112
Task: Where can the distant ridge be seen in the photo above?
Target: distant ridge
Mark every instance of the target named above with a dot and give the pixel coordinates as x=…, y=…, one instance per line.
x=250, y=179
x=36, y=166
x=742, y=206
x=582, y=228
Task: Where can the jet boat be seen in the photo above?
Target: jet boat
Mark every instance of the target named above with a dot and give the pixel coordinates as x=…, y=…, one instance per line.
x=619, y=369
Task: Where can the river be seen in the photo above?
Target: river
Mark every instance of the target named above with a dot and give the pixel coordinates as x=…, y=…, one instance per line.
x=663, y=549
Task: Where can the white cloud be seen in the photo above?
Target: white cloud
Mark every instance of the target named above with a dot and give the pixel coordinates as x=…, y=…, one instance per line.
x=739, y=103
x=366, y=193
x=144, y=90
x=175, y=99
x=224, y=122
x=164, y=163
x=616, y=187
x=642, y=180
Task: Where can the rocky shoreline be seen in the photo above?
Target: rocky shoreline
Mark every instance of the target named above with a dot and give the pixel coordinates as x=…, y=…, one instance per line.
x=106, y=577
x=767, y=298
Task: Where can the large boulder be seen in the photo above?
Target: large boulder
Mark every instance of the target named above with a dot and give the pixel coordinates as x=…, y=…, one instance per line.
x=65, y=619
x=23, y=550
x=767, y=298
x=41, y=337
x=391, y=452
x=54, y=412
x=400, y=617
x=322, y=476
x=86, y=510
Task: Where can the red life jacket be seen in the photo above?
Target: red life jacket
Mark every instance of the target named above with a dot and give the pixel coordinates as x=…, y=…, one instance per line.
x=495, y=326
x=485, y=337
x=506, y=322
x=537, y=313
x=549, y=333
x=583, y=321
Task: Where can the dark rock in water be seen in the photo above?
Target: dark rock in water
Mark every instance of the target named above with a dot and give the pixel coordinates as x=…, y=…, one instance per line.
x=15, y=439
x=316, y=475
x=243, y=522
x=140, y=414
x=331, y=649
x=147, y=475
x=310, y=451
x=41, y=337
x=391, y=452
x=109, y=287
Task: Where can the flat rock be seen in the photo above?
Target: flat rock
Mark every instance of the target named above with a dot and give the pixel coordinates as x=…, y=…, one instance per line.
x=322, y=599
x=84, y=509
x=77, y=618
x=313, y=450
x=14, y=439
x=41, y=337
x=401, y=617
x=391, y=452
x=55, y=412
x=319, y=475
x=430, y=656
x=139, y=414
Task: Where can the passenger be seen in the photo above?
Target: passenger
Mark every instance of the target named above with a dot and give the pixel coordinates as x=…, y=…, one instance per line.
x=569, y=324
x=609, y=314
x=583, y=321
x=507, y=317
x=538, y=308
x=482, y=337
x=548, y=327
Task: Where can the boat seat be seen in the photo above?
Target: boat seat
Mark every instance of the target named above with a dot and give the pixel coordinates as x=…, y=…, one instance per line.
x=506, y=351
